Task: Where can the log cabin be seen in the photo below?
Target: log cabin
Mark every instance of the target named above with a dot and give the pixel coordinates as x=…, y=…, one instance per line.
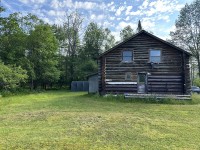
x=144, y=64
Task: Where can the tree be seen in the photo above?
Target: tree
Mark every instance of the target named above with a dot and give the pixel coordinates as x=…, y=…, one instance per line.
x=13, y=40
x=126, y=33
x=72, y=28
x=109, y=39
x=187, y=32
x=93, y=41
x=139, y=28
x=2, y=9
x=60, y=35
x=11, y=76
x=42, y=53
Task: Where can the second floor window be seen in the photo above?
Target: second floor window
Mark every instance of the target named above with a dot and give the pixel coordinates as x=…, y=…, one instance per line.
x=127, y=56
x=155, y=56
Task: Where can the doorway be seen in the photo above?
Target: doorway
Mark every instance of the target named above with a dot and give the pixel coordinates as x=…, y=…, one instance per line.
x=142, y=82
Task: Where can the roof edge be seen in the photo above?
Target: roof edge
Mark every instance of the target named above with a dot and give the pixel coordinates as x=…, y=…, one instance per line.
x=143, y=31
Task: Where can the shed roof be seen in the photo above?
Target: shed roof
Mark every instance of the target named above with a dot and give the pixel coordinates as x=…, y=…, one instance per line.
x=149, y=34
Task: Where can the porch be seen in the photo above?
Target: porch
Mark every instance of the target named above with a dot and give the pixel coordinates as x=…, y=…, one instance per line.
x=158, y=96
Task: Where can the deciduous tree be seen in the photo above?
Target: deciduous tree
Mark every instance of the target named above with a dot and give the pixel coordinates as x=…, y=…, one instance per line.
x=126, y=33
x=42, y=53
x=187, y=31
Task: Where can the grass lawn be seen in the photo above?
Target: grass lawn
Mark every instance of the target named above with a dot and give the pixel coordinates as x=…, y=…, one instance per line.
x=66, y=120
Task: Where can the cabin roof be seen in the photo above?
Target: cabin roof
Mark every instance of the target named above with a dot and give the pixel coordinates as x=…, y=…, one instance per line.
x=149, y=34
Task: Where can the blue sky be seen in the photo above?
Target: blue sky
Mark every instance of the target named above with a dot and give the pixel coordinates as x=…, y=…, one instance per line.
x=157, y=16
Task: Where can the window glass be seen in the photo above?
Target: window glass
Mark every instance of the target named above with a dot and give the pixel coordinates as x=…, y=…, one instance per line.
x=142, y=78
x=155, y=52
x=127, y=56
x=155, y=56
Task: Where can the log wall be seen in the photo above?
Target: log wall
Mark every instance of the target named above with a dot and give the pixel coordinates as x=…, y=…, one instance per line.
x=171, y=76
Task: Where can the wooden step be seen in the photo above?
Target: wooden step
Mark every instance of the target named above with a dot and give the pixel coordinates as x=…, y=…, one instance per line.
x=158, y=96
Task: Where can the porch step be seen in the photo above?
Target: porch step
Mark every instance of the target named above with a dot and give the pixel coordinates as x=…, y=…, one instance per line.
x=158, y=96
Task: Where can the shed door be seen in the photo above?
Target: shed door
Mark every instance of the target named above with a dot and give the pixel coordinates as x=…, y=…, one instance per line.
x=142, y=80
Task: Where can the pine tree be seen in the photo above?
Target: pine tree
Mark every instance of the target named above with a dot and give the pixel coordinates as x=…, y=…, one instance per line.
x=139, y=28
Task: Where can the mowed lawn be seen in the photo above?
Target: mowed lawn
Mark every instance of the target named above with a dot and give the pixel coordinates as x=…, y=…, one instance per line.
x=66, y=120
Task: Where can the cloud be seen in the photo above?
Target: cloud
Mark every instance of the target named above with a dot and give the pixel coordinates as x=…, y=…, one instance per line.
x=112, y=18
x=144, y=4
x=147, y=23
x=116, y=34
x=32, y=1
x=110, y=4
x=163, y=6
x=112, y=8
x=127, y=18
x=76, y=4
x=24, y=1
x=123, y=24
x=97, y=17
x=119, y=10
x=85, y=5
x=128, y=9
x=56, y=13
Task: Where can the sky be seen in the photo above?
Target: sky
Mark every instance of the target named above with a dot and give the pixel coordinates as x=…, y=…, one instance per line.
x=157, y=16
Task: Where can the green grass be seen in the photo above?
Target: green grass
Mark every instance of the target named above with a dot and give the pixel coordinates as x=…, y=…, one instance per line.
x=66, y=120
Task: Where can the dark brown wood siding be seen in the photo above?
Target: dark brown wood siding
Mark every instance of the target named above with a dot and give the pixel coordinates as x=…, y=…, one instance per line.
x=170, y=76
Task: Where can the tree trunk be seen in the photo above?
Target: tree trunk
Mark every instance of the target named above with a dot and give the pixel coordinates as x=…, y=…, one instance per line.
x=198, y=62
x=32, y=84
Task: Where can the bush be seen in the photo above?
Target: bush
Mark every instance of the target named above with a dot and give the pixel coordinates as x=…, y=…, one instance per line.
x=11, y=76
x=197, y=82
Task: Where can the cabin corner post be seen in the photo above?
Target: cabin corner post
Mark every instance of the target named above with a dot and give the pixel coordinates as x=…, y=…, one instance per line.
x=101, y=75
x=186, y=74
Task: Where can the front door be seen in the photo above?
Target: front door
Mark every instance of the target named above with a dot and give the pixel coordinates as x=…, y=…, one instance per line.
x=142, y=80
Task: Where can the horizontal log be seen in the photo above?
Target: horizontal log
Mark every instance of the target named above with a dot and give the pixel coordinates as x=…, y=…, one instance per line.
x=165, y=80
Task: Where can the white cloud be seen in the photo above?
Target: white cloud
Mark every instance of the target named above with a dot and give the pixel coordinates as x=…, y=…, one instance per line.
x=85, y=5
x=97, y=17
x=112, y=18
x=32, y=1
x=128, y=10
x=116, y=34
x=47, y=20
x=77, y=4
x=56, y=13
x=127, y=18
x=119, y=10
x=144, y=4
x=110, y=4
x=136, y=13
x=163, y=6
x=24, y=1
x=113, y=9
x=123, y=24
x=148, y=24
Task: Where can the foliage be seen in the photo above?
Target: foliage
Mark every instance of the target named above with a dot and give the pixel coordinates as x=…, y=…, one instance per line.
x=42, y=53
x=11, y=76
x=139, y=28
x=93, y=41
x=109, y=39
x=13, y=40
x=197, y=82
x=187, y=33
x=126, y=33
x=87, y=67
x=73, y=120
x=72, y=27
